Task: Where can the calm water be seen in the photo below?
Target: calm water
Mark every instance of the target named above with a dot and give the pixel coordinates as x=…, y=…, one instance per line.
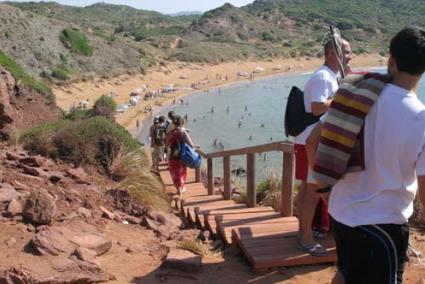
x=258, y=105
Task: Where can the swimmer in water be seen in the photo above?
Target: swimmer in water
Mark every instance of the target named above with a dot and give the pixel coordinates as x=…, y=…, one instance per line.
x=212, y=109
x=215, y=142
x=262, y=125
x=246, y=108
x=239, y=123
x=250, y=138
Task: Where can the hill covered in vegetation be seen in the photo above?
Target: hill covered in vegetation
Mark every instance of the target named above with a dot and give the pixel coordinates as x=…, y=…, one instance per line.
x=49, y=39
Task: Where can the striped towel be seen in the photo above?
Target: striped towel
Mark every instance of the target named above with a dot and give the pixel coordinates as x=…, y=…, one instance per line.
x=341, y=144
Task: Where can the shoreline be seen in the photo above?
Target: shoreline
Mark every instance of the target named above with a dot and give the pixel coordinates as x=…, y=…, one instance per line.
x=183, y=75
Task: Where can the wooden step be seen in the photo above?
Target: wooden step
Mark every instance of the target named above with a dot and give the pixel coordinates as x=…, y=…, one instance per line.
x=270, y=245
x=209, y=215
x=225, y=227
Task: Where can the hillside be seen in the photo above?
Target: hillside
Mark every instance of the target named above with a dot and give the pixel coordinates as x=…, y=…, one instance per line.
x=105, y=39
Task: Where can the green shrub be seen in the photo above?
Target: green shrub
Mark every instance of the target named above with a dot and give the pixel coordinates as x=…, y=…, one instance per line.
x=25, y=79
x=78, y=114
x=61, y=73
x=95, y=140
x=63, y=58
x=76, y=41
x=104, y=106
x=39, y=139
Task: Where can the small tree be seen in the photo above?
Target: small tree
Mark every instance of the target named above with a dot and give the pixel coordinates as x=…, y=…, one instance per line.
x=104, y=106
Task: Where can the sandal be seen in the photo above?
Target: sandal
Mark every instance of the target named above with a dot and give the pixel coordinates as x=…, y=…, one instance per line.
x=314, y=249
x=319, y=234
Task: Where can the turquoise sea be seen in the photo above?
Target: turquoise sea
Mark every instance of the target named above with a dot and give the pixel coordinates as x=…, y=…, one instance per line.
x=258, y=106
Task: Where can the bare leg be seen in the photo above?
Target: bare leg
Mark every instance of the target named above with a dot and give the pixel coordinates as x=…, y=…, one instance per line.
x=308, y=207
x=299, y=197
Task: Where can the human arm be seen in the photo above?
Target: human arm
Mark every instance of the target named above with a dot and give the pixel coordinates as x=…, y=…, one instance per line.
x=189, y=140
x=318, y=108
x=319, y=92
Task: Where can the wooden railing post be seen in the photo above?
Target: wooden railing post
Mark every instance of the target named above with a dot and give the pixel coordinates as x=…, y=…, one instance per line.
x=288, y=170
x=251, y=195
x=226, y=177
x=198, y=174
x=210, y=176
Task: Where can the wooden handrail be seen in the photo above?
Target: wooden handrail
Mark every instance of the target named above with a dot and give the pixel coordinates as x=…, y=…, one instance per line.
x=283, y=146
x=288, y=169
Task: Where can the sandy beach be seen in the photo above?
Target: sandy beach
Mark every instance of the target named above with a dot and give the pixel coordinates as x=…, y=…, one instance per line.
x=183, y=76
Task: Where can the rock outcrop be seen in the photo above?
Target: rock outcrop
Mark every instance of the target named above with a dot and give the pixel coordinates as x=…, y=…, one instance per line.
x=21, y=107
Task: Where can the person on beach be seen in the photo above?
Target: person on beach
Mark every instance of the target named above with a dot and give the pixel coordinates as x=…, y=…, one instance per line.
x=178, y=170
x=159, y=133
x=370, y=207
x=318, y=93
x=169, y=122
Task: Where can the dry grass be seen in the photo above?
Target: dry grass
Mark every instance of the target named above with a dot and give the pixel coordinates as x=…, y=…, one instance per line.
x=272, y=192
x=143, y=186
x=126, y=163
x=197, y=247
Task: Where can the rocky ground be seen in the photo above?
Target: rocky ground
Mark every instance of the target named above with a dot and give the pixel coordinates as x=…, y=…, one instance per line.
x=71, y=225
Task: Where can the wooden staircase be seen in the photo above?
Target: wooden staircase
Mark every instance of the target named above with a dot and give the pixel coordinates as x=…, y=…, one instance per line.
x=266, y=238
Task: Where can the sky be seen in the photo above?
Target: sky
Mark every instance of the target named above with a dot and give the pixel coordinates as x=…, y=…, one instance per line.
x=163, y=6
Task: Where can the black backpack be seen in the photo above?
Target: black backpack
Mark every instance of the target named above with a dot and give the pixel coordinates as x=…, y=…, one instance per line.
x=296, y=117
x=159, y=135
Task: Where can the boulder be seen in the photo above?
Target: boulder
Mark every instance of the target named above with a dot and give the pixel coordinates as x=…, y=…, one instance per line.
x=40, y=208
x=67, y=237
x=78, y=174
x=55, y=176
x=96, y=242
x=162, y=231
x=182, y=260
x=51, y=240
x=12, y=156
x=14, y=207
x=106, y=213
x=85, y=254
x=16, y=275
x=86, y=213
x=133, y=220
x=166, y=219
x=34, y=171
x=34, y=161
x=7, y=192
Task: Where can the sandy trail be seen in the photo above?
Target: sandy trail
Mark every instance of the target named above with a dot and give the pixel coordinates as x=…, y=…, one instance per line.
x=183, y=75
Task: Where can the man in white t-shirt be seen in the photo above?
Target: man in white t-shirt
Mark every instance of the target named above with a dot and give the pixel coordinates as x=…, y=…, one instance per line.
x=370, y=209
x=318, y=93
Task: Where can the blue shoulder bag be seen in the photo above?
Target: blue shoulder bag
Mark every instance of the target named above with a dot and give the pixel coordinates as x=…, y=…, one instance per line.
x=188, y=156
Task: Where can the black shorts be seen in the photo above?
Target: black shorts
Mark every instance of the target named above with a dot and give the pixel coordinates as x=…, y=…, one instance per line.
x=372, y=254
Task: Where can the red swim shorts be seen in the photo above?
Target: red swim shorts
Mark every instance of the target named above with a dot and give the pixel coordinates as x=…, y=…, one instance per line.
x=301, y=162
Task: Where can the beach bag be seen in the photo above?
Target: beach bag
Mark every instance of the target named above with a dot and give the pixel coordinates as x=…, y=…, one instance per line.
x=296, y=117
x=188, y=156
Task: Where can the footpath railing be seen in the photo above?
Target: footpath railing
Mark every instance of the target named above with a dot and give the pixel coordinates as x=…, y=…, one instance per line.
x=288, y=169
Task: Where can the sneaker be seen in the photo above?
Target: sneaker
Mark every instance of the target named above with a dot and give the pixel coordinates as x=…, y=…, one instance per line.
x=317, y=234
